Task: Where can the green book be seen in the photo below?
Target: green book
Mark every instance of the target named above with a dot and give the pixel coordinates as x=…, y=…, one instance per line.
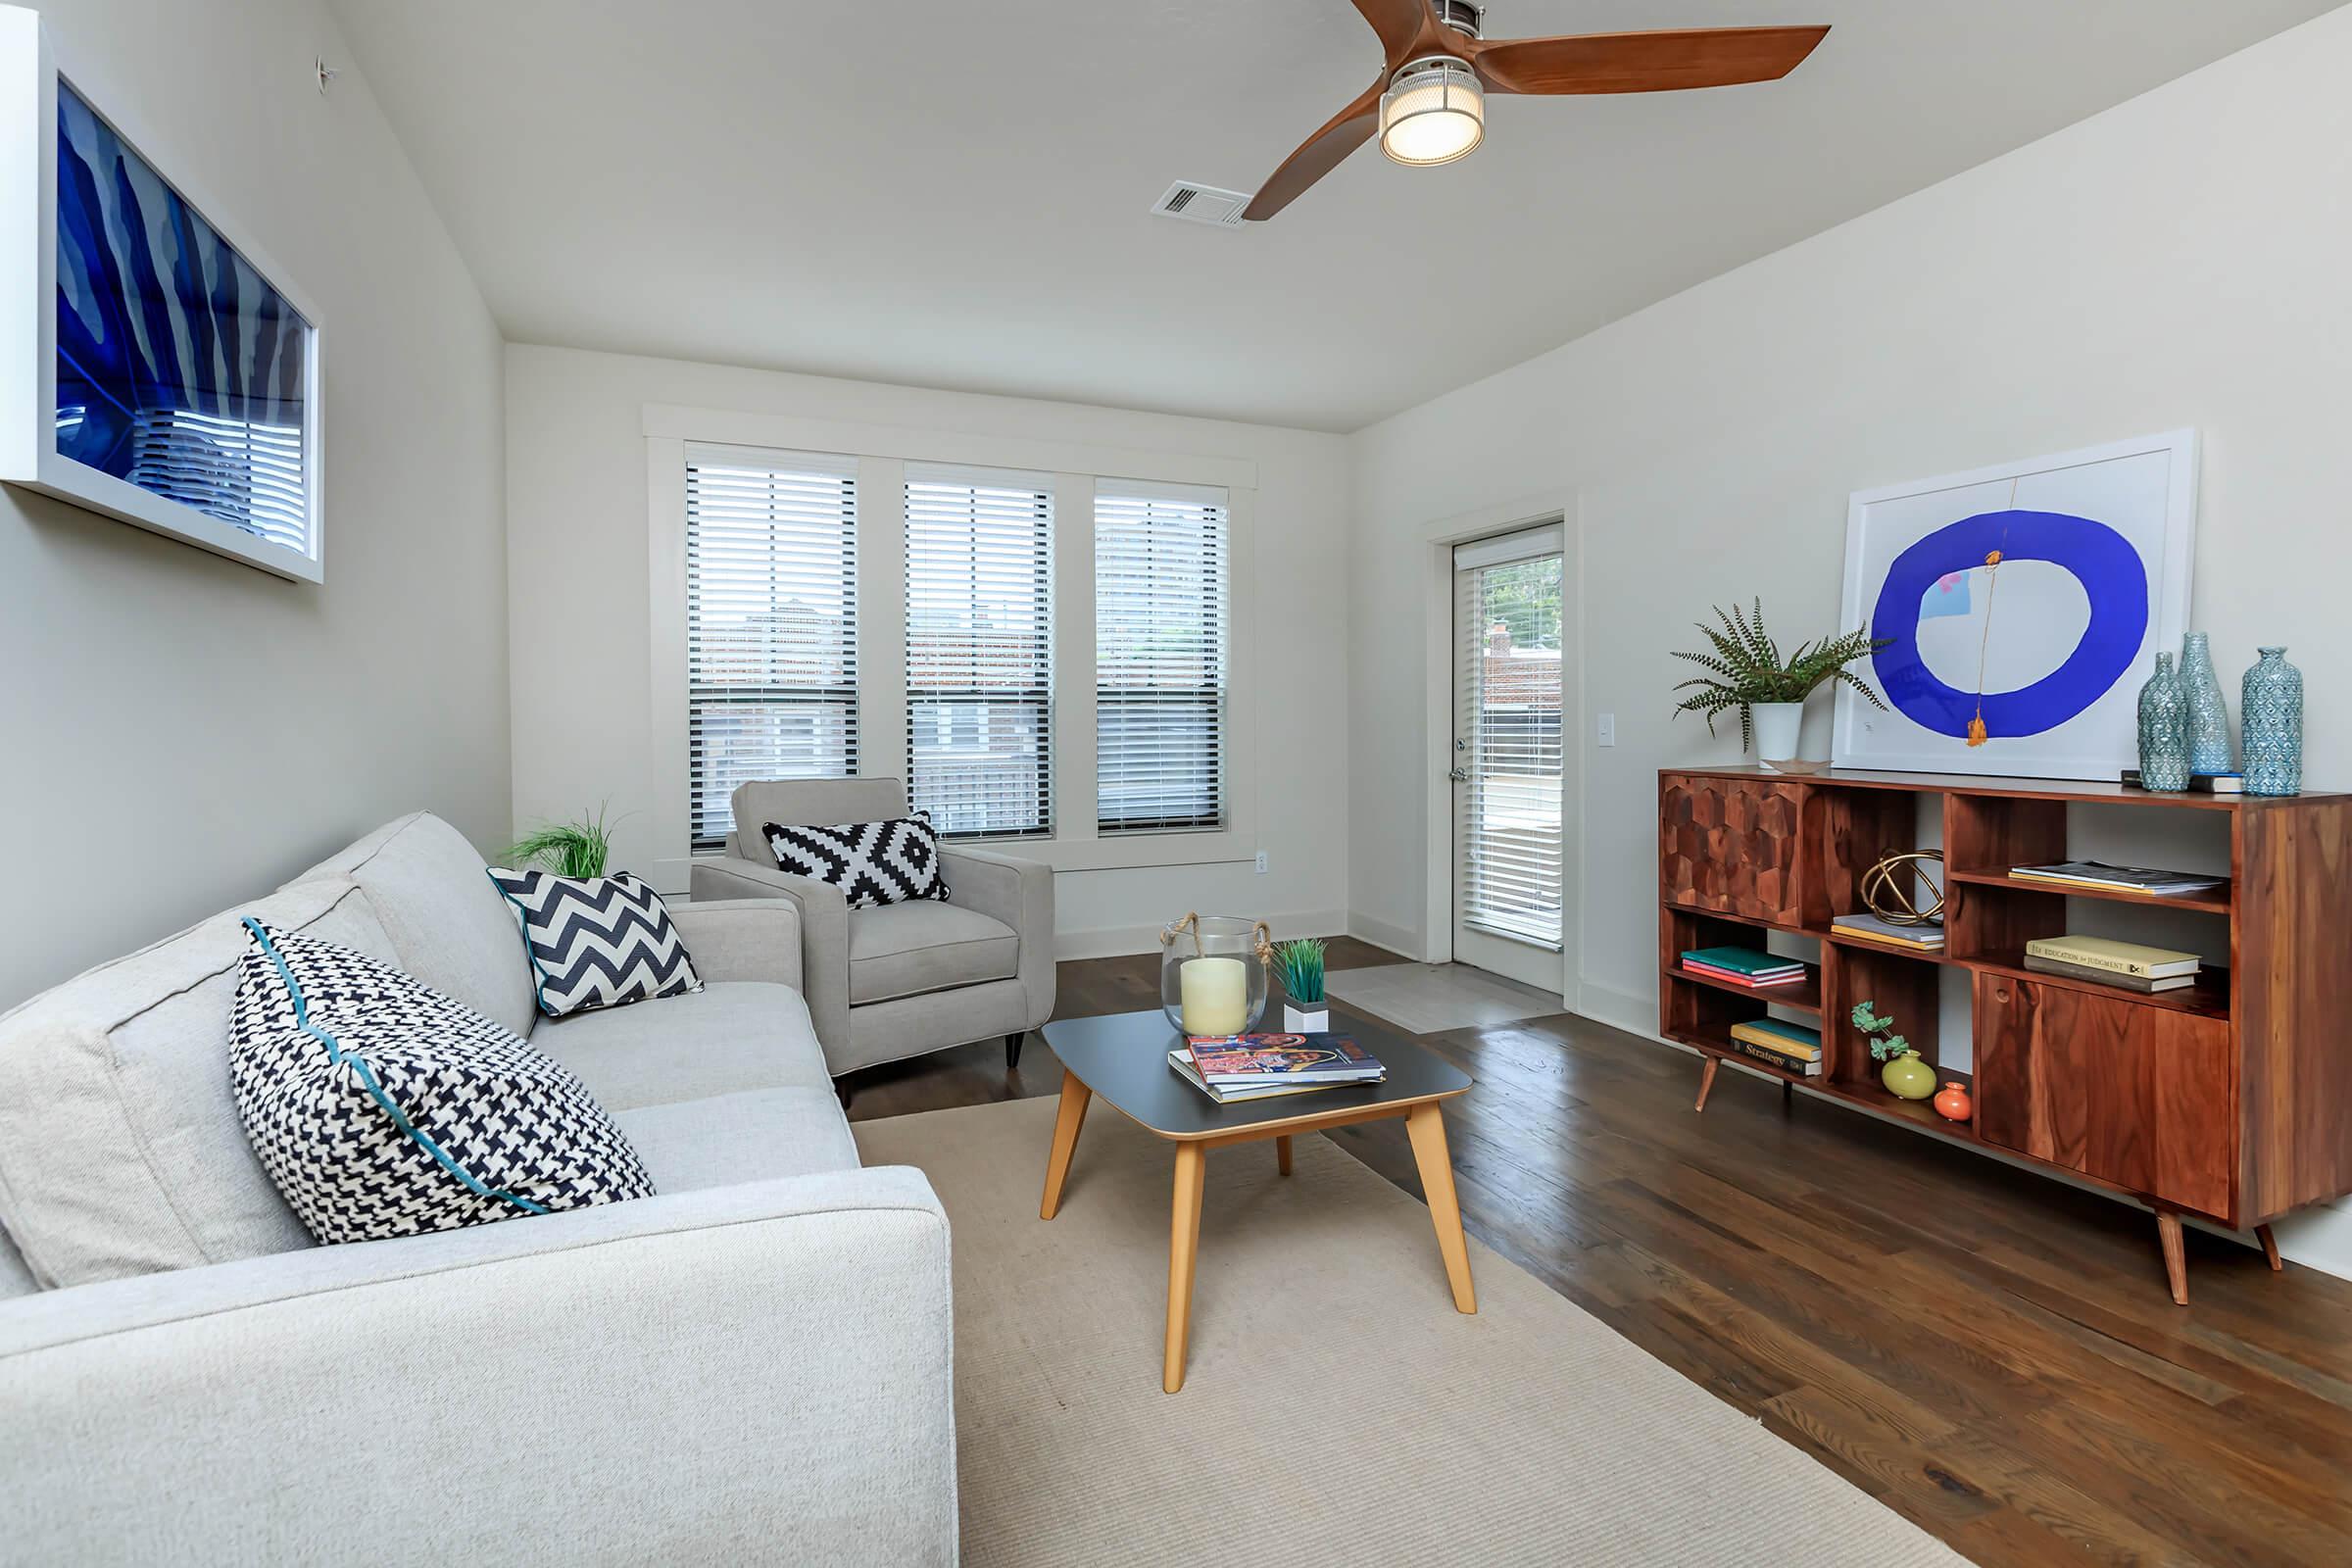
x=1803, y=1042
x=1743, y=960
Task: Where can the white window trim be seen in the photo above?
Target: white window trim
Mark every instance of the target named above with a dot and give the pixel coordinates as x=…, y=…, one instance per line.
x=883, y=451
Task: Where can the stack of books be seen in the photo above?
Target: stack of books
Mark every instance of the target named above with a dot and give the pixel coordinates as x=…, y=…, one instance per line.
x=2128, y=964
x=1229, y=1068
x=2198, y=783
x=1744, y=967
x=1790, y=1046
x=1927, y=938
x=2116, y=878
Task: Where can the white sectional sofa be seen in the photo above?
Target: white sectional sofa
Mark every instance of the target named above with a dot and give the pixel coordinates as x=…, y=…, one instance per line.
x=753, y=1365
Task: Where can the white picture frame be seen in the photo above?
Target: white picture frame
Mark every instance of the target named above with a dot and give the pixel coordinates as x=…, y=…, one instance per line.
x=31, y=420
x=2099, y=543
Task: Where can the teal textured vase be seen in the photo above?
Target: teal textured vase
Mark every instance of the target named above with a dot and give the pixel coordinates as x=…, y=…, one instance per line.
x=2271, y=705
x=2164, y=730
x=2208, y=717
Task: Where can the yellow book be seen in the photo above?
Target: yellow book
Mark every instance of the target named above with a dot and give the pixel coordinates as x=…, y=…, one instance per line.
x=2116, y=958
x=1770, y=1040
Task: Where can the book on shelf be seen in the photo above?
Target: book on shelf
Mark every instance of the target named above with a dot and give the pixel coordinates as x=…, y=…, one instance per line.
x=1182, y=1062
x=1744, y=963
x=2117, y=878
x=1229, y=1061
x=2108, y=977
x=2198, y=783
x=1921, y=938
x=2132, y=959
x=1791, y=1040
x=1802, y=1066
x=1763, y=982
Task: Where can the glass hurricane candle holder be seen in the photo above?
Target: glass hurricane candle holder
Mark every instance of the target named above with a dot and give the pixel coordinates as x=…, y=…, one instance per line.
x=1213, y=973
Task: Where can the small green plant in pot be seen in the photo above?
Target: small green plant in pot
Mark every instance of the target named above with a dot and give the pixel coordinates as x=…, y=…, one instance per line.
x=1745, y=670
x=1905, y=1075
x=1299, y=962
x=568, y=849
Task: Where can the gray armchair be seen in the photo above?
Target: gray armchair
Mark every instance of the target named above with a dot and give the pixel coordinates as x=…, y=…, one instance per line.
x=905, y=978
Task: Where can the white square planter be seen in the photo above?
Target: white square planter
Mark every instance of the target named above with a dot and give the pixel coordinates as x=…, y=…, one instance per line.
x=1304, y=1021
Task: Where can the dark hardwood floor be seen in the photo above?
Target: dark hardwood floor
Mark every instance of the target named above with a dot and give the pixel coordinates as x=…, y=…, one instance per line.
x=1991, y=1352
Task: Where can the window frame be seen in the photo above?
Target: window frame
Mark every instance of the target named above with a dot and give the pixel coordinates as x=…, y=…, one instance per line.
x=1219, y=697
x=882, y=453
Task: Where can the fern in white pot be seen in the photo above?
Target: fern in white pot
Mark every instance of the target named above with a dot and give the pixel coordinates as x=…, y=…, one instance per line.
x=1745, y=670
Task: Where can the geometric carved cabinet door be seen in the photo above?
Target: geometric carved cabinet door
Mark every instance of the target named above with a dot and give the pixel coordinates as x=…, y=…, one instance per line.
x=1731, y=845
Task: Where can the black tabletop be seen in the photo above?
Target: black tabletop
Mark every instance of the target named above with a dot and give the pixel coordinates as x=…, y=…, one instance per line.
x=1124, y=1058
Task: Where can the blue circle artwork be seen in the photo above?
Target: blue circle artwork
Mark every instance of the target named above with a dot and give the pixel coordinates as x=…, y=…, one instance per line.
x=2113, y=577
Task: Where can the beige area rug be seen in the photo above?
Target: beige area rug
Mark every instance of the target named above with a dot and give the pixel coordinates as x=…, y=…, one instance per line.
x=1427, y=999
x=1337, y=1409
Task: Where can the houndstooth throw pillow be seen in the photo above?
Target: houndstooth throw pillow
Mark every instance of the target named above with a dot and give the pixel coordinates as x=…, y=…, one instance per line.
x=872, y=863
x=596, y=942
x=382, y=1108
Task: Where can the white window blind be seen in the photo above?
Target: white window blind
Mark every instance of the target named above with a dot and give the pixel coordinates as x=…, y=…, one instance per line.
x=1507, y=718
x=979, y=649
x=771, y=623
x=1160, y=638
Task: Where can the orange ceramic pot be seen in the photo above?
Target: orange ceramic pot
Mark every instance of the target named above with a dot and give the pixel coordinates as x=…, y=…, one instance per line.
x=1952, y=1103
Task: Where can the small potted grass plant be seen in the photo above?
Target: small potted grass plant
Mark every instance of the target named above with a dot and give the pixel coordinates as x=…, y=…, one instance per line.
x=576, y=849
x=1305, y=1010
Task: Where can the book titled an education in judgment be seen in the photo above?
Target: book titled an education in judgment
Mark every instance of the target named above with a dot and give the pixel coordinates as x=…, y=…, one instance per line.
x=2130, y=958
x=1241, y=1061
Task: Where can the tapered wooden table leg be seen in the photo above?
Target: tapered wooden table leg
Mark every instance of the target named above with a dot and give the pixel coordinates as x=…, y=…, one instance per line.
x=2176, y=1256
x=2269, y=1246
x=1184, y=1248
x=1282, y=1154
x=1075, y=1098
x=1706, y=1081
x=1426, y=1126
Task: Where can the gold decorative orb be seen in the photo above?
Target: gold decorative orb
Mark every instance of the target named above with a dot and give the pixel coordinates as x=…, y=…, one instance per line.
x=1890, y=895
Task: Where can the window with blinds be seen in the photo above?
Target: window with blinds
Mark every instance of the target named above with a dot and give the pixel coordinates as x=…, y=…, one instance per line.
x=1508, y=707
x=771, y=623
x=979, y=650
x=1161, y=640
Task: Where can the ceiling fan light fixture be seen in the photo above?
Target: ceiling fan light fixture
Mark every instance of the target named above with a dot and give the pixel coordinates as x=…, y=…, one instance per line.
x=1434, y=112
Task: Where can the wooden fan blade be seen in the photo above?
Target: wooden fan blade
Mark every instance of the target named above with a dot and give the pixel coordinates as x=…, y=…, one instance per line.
x=1643, y=62
x=1319, y=154
x=1399, y=23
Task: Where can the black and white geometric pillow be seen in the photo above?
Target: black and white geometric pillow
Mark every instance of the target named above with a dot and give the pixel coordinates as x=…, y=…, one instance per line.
x=380, y=1108
x=872, y=863
x=596, y=942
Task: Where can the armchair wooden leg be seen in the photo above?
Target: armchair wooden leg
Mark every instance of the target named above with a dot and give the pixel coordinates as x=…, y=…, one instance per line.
x=1013, y=1051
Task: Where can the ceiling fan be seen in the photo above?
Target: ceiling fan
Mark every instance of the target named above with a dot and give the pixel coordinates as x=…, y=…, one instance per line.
x=1428, y=103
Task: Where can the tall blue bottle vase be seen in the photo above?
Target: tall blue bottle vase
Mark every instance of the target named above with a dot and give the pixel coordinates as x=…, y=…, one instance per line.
x=2208, y=715
x=2271, y=705
x=2164, y=730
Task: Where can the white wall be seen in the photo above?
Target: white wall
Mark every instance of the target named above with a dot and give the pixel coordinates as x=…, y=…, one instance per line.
x=2178, y=261
x=177, y=731
x=577, y=559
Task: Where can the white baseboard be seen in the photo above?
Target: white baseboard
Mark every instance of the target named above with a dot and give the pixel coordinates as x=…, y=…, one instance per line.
x=1122, y=941
x=1380, y=934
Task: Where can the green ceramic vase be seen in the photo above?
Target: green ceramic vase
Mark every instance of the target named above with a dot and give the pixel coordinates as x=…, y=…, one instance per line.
x=1908, y=1077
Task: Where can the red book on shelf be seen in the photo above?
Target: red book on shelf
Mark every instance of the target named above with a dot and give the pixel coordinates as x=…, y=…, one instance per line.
x=1713, y=973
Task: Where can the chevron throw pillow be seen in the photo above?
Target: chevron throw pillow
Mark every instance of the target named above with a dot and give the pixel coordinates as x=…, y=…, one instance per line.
x=872, y=863
x=596, y=942
x=380, y=1108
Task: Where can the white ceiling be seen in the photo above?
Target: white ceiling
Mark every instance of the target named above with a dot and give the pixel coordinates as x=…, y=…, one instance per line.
x=955, y=193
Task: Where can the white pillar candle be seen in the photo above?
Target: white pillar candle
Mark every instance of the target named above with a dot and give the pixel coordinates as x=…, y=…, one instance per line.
x=1215, y=996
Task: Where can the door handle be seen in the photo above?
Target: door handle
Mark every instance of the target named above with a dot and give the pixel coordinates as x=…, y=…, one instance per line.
x=1457, y=775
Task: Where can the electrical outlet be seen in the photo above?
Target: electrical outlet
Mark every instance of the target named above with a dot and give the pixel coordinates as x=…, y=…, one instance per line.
x=1607, y=731
x=1262, y=862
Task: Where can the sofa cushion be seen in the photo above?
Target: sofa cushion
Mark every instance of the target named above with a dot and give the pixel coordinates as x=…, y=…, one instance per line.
x=383, y=1108
x=121, y=1150
x=596, y=941
x=448, y=926
x=905, y=950
x=873, y=863
x=728, y=1037
x=745, y=1137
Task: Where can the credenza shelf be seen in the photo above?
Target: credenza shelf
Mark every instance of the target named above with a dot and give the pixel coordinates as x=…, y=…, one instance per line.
x=2195, y=1101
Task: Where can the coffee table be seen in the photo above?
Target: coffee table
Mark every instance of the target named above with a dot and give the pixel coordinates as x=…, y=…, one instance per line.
x=1124, y=1058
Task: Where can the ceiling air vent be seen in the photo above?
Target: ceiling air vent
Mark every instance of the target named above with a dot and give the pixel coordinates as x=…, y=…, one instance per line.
x=1202, y=204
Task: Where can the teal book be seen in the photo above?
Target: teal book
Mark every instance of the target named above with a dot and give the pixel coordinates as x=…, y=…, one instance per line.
x=1742, y=961
x=1808, y=1042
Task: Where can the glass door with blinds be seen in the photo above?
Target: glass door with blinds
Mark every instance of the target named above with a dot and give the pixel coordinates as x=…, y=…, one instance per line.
x=1509, y=754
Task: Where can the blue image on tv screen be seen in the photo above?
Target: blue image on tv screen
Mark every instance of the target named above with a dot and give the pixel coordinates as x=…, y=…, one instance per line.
x=178, y=368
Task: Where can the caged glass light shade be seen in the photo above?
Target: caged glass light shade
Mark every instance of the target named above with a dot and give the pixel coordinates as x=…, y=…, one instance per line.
x=1433, y=112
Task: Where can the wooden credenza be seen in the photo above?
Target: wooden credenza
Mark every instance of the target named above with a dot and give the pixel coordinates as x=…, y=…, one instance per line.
x=2230, y=1099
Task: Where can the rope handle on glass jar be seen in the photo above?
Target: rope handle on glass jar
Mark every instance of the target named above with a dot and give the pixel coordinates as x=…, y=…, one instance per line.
x=1191, y=923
